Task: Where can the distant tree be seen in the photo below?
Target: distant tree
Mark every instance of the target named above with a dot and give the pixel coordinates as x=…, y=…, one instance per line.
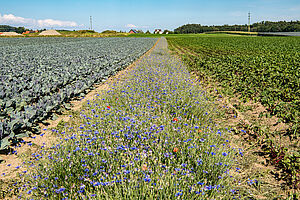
x=109, y=32
x=139, y=31
x=6, y=28
x=264, y=26
x=168, y=32
x=148, y=32
x=20, y=29
x=86, y=31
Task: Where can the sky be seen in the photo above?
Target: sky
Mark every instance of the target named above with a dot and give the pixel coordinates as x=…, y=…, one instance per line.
x=141, y=14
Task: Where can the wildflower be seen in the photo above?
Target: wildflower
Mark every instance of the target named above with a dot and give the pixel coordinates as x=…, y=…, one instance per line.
x=178, y=194
x=144, y=167
x=175, y=119
x=108, y=107
x=147, y=180
x=175, y=150
x=224, y=154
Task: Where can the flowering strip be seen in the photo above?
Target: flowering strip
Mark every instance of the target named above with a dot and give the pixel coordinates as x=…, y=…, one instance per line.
x=128, y=144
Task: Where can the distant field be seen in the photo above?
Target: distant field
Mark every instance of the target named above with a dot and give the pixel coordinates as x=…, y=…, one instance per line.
x=279, y=33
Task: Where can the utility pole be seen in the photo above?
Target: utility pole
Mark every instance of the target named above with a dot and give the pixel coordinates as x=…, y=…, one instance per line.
x=249, y=15
x=91, y=23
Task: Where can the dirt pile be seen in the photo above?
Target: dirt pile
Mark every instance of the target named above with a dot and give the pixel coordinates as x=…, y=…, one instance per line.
x=50, y=32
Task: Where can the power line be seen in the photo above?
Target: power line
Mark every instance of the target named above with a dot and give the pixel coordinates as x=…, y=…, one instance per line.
x=249, y=16
x=91, y=27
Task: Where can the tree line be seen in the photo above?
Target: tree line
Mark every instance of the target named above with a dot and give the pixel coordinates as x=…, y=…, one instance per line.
x=264, y=26
x=6, y=28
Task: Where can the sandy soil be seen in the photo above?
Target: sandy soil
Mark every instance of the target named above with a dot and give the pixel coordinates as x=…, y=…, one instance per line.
x=50, y=32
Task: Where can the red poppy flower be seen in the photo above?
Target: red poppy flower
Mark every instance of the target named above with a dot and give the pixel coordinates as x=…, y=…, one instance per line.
x=144, y=167
x=175, y=149
x=175, y=119
x=108, y=107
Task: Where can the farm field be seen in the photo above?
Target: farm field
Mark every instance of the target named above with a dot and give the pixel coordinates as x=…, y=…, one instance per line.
x=261, y=75
x=265, y=69
x=40, y=75
x=150, y=135
x=155, y=130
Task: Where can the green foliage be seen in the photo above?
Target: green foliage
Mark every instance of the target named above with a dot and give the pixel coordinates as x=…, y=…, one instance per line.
x=41, y=74
x=260, y=68
x=264, y=69
x=109, y=32
x=264, y=26
x=86, y=31
x=6, y=28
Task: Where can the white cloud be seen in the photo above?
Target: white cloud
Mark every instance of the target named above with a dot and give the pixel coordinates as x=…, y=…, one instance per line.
x=11, y=19
x=130, y=26
x=52, y=22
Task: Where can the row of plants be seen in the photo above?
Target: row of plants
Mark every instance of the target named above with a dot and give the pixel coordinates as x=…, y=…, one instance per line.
x=262, y=69
x=265, y=69
x=40, y=75
x=150, y=136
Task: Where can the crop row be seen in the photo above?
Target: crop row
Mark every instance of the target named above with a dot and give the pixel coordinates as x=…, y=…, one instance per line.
x=41, y=74
x=262, y=68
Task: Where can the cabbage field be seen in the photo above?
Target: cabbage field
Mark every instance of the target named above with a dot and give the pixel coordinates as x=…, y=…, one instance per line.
x=39, y=75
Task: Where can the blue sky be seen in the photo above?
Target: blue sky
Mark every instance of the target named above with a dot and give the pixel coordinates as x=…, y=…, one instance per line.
x=141, y=14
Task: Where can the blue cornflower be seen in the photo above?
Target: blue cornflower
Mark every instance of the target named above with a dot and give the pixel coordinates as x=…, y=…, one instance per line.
x=76, y=149
x=178, y=194
x=82, y=187
x=224, y=154
x=147, y=179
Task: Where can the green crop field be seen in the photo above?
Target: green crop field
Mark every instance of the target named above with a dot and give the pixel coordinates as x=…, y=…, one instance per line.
x=262, y=70
x=265, y=69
